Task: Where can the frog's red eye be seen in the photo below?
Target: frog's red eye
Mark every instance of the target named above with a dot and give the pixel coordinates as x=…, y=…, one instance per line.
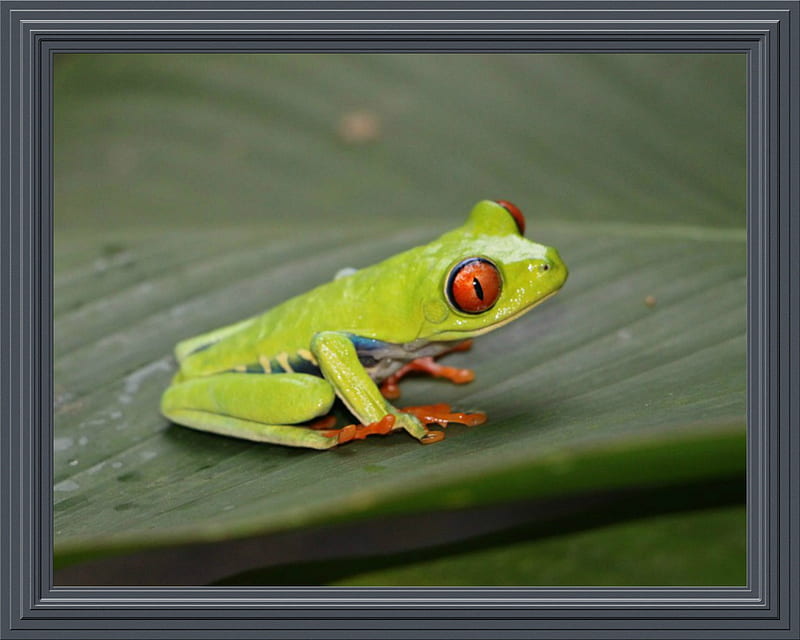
x=515, y=213
x=474, y=285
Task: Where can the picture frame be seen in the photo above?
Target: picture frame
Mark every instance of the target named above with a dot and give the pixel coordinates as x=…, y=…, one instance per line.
x=34, y=31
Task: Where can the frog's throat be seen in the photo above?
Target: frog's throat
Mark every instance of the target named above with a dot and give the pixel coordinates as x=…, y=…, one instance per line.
x=504, y=321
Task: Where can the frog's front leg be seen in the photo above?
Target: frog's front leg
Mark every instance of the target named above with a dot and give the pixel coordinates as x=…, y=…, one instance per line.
x=263, y=408
x=340, y=365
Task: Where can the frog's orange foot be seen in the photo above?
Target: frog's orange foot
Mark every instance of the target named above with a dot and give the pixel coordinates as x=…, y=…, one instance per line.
x=361, y=431
x=442, y=415
x=389, y=387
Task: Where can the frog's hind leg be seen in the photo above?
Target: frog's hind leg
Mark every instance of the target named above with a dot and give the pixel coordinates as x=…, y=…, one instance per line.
x=258, y=407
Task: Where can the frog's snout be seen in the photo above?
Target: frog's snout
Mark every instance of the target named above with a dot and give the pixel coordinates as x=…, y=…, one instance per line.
x=557, y=271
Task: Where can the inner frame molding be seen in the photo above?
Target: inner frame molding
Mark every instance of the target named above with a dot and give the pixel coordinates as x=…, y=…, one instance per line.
x=34, y=31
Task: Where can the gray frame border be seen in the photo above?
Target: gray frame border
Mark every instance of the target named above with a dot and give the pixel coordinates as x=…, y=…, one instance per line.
x=32, y=31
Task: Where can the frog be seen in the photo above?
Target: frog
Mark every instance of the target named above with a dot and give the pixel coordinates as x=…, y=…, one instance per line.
x=274, y=377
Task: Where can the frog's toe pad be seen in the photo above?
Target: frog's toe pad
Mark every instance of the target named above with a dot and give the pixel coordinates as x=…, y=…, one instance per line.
x=441, y=414
x=390, y=389
x=432, y=436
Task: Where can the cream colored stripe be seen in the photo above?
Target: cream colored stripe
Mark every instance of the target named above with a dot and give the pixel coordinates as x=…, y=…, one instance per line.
x=283, y=360
x=307, y=355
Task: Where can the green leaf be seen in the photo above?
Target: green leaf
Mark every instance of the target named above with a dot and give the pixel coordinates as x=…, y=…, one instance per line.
x=193, y=191
x=667, y=550
x=592, y=543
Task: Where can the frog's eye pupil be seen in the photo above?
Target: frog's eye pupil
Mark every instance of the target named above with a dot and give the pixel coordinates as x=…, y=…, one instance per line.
x=474, y=285
x=515, y=212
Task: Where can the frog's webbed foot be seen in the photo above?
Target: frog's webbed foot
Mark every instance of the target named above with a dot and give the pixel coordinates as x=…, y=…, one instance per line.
x=442, y=415
x=390, y=389
x=357, y=431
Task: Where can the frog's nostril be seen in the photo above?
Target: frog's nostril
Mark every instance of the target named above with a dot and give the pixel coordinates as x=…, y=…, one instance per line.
x=553, y=263
x=552, y=259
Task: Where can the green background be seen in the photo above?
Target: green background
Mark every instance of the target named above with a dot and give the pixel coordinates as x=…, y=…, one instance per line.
x=194, y=190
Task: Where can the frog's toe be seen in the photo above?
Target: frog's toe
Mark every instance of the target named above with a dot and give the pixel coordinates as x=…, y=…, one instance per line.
x=432, y=437
x=442, y=415
x=390, y=389
x=324, y=423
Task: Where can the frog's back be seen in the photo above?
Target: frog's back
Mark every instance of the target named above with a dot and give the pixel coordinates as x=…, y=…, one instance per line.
x=258, y=344
x=283, y=334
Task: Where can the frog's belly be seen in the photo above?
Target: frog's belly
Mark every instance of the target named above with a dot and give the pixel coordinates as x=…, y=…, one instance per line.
x=381, y=360
x=384, y=368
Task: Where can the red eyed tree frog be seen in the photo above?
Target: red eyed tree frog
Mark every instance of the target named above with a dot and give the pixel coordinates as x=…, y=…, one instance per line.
x=274, y=377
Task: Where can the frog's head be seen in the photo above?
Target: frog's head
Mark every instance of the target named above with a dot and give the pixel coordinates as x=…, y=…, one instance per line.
x=488, y=274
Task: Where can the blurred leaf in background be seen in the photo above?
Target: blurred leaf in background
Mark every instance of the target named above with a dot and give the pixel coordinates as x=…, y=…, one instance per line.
x=192, y=191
